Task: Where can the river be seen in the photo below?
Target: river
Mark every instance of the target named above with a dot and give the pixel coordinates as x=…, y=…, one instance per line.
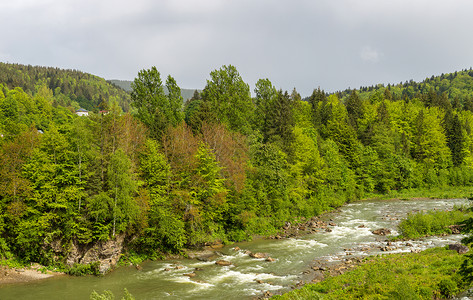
x=248, y=277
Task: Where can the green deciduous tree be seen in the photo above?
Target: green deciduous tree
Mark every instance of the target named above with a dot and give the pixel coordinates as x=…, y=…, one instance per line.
x=207, y=207
x=307, y=173
x=155, y=109
x=429, y=142
x=122, y=189
x=230, y=99
x=165, y=228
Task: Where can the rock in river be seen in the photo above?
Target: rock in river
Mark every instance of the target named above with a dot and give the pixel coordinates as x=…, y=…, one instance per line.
x=381, y=231
x=258, y=255
x=222, y=262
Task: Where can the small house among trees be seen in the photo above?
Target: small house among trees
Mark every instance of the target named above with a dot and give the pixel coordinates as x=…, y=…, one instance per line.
x=82, y=112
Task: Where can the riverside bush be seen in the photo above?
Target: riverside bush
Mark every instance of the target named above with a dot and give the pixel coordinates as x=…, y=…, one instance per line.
x=108, y=295
x=81, y=270
x=431, y=223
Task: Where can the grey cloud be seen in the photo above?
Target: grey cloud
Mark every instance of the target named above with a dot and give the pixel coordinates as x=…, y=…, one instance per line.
x=300, y=43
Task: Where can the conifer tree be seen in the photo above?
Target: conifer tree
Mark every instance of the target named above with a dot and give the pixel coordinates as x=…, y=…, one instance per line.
x=318, y=102
x=265, y=95
x=355, y=109
x=279, y=122
x=455, y=138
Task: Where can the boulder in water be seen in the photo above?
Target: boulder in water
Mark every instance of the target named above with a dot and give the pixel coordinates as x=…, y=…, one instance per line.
x=381, y=231
x=258, y=255
x=267, y=294
x=461, y=249
x=222, y=262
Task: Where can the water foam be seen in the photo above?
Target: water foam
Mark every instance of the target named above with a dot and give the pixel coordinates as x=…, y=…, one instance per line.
x=342, y=232
x=245, y=278
x=299, y=243
x=199, y=264
x=253, y=268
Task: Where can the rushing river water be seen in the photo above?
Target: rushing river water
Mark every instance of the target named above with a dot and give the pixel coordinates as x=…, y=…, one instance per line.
x=248, y=277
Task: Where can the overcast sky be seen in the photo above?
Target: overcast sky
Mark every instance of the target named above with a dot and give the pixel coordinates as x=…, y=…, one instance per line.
x=334, y=44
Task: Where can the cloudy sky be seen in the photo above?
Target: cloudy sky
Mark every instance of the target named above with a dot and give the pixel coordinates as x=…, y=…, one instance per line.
x=332, y=44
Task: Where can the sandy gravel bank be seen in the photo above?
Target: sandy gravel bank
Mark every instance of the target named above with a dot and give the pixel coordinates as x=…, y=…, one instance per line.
x=9, y=275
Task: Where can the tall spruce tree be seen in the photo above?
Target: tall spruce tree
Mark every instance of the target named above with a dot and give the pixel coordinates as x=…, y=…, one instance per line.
x=279, y=122
x=455, y=138
x=265, y=95
x=355, y=109
x=318, y=101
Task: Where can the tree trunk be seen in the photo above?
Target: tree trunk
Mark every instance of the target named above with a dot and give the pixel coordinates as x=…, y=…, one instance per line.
x=115, y=210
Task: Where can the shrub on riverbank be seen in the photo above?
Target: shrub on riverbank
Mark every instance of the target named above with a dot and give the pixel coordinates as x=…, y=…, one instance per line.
x=108, y=295
x=430, y=274
x=432, y=223
x=84, y=269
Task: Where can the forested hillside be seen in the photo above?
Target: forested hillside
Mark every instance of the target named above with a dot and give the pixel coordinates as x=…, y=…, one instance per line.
x=222, y=168
x=67, y=88
x=456, y=87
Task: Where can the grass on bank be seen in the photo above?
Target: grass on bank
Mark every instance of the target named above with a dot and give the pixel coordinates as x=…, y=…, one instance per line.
x=431, y=274
x=430, y=223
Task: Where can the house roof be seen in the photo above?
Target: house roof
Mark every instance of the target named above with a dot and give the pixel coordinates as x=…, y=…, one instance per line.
x=81, y=110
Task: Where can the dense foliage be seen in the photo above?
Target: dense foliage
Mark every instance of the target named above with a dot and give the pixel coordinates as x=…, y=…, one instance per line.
x=222, y=168
x=432, y=274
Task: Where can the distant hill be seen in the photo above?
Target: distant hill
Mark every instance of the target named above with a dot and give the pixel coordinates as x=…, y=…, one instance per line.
x=456, y=86
x=71, y=88
x=126, y=85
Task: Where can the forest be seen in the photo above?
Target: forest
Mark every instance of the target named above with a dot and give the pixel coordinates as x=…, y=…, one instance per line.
x=221, y=167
